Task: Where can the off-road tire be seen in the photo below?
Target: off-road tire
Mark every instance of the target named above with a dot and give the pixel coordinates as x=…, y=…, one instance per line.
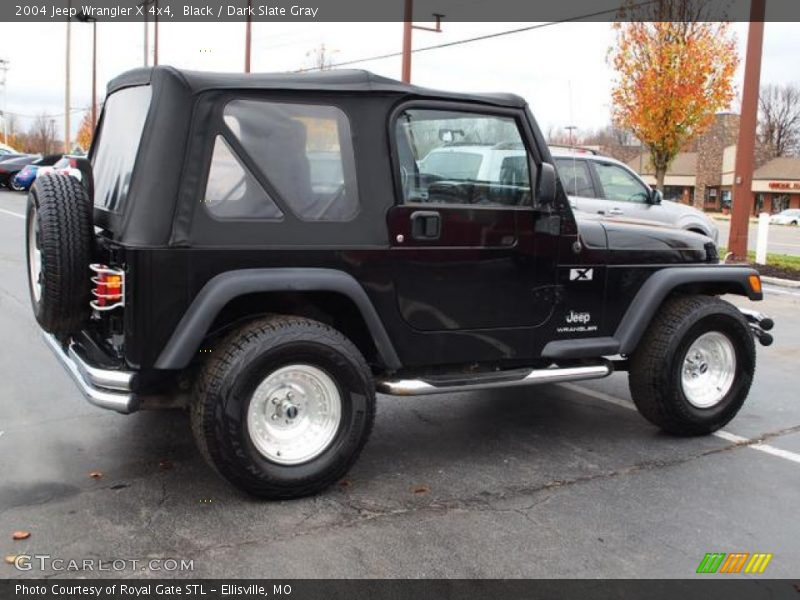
x=64, y=213
x=655, y=366
x=225, y=386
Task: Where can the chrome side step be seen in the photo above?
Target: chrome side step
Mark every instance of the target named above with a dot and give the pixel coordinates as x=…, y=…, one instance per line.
x=422, y=387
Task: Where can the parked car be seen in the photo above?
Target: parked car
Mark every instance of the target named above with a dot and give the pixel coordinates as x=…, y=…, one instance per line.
x=23, y=180
x=790, y=216
x=10, y=167
x=7, y=151
x=269, y=251
x=601, y=185
x=66, y=165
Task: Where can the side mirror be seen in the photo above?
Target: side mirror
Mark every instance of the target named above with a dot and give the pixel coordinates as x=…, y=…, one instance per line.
x=655, y=196
x=547, y=185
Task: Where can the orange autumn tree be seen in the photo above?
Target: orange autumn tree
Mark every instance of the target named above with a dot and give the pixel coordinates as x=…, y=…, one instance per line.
x=672, y=77
x=85, y=132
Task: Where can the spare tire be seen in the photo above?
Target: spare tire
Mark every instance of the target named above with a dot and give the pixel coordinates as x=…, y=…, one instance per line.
x=58, y=243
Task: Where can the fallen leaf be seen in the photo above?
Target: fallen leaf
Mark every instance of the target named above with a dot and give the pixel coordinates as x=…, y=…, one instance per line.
x=165, y=464
x=11, y=558
x=420, y=489
x=96, y=474
x=21, y=535
x=345, y=483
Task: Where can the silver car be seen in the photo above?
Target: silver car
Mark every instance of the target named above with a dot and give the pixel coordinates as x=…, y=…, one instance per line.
x=601, y=185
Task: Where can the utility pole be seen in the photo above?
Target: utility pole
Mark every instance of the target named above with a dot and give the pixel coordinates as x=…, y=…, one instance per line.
x=67, y=90
x=408, y=16
x=94, y=76
x=408, y=27
x=4, y=70
x=571, y=129
x=742, y=199
x=155, y=33
x=248, y=37
x=146, y=40
x=84, y=18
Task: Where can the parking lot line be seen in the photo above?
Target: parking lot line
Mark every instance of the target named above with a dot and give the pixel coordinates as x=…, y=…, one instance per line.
x=722, y=434
x=13, y=214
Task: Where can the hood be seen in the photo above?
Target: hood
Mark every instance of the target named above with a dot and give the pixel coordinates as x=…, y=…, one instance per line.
x=632, y=241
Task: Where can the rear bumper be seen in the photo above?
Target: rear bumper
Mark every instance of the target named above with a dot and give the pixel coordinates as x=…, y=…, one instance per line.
x=106, y=388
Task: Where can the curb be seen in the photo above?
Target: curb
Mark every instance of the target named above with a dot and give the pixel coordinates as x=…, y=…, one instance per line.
x=789, y=283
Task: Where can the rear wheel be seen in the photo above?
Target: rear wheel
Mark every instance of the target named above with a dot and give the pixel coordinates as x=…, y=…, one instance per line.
x=283, y=407
x=59, y=244
x=693, y=368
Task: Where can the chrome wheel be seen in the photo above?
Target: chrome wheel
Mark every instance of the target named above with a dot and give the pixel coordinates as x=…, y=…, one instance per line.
x=34, y=256
x=294, y=414
x=709, y=368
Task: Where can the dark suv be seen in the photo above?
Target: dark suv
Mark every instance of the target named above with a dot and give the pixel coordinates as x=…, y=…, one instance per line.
x=270, y=250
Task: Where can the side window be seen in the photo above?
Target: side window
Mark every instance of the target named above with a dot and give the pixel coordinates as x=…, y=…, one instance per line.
x=306, y=153
x=575, y=177
x=619, y=184
x=232, y=192
x=461, y=158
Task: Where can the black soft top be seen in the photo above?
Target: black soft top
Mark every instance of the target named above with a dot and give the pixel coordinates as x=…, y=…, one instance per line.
x=186, y=114
x=349, y=80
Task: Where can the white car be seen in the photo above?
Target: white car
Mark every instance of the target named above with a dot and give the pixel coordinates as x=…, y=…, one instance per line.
x=595, y=184
x=601, y=185
x=474, y=162
x=790, y=216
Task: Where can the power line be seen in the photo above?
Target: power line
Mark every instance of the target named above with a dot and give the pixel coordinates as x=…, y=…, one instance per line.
x=487, y=36
x=46, y=114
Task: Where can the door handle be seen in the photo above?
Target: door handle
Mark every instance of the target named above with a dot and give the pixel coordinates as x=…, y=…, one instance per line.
x=616, y=211
x=426, y=225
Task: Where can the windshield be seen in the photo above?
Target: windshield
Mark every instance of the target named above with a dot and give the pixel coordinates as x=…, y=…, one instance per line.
x=790, y=212
x=115, y=152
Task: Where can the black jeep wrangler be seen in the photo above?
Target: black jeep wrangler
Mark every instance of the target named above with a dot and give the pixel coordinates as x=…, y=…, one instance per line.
x=270, y=250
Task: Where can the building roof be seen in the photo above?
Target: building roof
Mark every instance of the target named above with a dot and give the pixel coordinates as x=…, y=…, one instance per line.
x=783, y=167
x=685, y=164
x=347, y=80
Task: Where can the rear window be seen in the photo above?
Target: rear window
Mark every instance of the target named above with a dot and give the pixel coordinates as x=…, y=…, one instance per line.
x=115, y=152
x=305, y=152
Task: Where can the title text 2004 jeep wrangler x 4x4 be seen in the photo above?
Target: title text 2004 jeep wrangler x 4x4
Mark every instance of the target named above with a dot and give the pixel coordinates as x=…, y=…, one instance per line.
x=271, y=249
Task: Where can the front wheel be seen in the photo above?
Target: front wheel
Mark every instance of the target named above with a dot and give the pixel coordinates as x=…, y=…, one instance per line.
x=12, y=183
x=694, y=366
x=283, y=407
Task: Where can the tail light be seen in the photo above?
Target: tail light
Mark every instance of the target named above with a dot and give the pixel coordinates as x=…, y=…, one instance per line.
x=109, y=287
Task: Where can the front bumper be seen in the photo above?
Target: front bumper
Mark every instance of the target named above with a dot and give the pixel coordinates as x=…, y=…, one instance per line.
x=106, y=388
x=760, y=324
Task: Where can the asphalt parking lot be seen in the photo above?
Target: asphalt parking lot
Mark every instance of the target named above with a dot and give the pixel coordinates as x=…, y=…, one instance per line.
x=555, y=481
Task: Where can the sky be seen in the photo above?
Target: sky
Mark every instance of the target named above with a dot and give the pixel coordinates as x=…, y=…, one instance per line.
x=560, y=69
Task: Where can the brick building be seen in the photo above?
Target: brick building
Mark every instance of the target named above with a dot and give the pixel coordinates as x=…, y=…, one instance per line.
x=703, y=175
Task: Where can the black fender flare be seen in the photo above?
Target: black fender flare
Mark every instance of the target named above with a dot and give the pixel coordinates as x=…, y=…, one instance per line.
x=195, y=323
x=733, y=279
